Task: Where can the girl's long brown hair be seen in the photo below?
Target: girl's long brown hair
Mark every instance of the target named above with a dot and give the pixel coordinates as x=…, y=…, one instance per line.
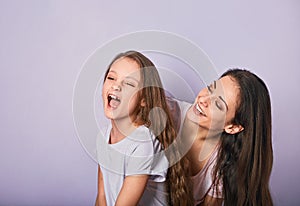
x=154, y=96
x=245, y=159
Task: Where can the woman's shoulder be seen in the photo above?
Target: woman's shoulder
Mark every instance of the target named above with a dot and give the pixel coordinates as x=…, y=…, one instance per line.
x=178, y=109
x=177, y=105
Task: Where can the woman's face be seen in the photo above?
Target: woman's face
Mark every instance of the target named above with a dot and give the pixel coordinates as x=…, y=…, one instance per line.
x=215, y=106
x=120, y=89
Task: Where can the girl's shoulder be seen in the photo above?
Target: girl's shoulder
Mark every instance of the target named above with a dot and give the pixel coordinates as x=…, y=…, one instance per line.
x=141, y=140
x=141, y=134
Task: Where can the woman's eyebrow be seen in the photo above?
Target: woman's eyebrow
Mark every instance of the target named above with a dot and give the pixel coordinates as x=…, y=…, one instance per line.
x=212, y=85
x=224, y=102
x=215, y=84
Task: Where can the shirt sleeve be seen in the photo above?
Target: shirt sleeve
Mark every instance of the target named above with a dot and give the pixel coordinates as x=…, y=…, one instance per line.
x=140, y=160
x=216, y=191
x=147, y=157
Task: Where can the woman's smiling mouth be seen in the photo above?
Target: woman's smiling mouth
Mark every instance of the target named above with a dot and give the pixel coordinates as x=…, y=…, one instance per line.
x=199, y=110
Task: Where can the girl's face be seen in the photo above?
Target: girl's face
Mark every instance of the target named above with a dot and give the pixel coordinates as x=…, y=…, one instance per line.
x=120, y=89
x=215, y=106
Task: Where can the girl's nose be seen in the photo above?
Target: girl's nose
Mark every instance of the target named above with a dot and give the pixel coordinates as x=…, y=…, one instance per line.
x=116, y=87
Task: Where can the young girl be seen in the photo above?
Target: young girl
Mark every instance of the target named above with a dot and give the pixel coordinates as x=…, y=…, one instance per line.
x=233, y=117
x=136, y=173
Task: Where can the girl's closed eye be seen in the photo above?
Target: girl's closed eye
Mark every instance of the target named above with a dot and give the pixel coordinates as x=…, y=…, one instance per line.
x=110, y=78
x=131, y=84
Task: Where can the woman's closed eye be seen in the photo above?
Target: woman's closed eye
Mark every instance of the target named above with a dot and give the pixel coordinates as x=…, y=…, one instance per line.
x=219, y=104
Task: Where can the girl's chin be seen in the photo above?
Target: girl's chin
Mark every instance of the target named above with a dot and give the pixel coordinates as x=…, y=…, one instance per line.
x=117, y=116
x=110, y=114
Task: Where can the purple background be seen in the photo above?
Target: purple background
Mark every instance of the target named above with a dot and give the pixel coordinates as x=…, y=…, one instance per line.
x=43, y=45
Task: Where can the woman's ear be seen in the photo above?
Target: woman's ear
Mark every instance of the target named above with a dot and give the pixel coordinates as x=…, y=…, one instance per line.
x=233, y=128
x=143, y=102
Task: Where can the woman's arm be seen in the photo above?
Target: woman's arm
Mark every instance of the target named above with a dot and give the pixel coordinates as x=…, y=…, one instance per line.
x=100, y=201
x=132, y=190
x=211, y=201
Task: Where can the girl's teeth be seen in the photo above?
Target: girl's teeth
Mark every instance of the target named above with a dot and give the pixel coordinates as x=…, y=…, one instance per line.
x=113, y=101
x=113, y=97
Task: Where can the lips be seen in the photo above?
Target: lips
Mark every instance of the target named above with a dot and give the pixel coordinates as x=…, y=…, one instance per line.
x=113, y=100
x=199, y=110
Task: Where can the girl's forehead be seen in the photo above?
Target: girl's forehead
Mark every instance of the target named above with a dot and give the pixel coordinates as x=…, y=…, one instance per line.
x=125, y=67
x=125, y=60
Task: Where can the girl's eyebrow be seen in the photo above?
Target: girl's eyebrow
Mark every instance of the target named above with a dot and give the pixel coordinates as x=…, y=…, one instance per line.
x=132, y=78
x=127, y=77
x=112, y=71
x=224, y=102
x=215, y=84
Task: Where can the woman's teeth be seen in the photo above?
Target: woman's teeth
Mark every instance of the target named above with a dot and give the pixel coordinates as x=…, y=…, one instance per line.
x=198, y=108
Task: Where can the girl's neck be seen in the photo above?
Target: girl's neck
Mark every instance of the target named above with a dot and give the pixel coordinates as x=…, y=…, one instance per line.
x=120, y=130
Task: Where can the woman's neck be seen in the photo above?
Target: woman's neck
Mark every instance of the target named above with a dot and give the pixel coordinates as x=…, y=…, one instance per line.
x=202, y=141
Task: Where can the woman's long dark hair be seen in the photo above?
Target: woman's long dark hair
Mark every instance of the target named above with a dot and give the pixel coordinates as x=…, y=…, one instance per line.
x=245, y=159
x=154, y=96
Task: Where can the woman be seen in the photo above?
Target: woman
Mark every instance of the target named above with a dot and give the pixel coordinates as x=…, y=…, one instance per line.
x=231, y=155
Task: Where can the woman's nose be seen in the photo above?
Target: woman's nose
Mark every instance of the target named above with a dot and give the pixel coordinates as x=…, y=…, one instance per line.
x=206, y=99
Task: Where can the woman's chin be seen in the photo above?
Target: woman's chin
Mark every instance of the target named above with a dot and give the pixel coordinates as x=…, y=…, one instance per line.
x=193, y=118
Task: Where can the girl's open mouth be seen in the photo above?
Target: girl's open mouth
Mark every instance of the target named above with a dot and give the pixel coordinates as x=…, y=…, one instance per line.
x=113, y=101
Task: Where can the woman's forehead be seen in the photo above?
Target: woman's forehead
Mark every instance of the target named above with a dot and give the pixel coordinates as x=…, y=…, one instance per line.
x=229, y=89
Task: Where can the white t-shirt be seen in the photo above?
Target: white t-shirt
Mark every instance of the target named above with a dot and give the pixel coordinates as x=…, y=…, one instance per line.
x=203, y=181
x=138, y=153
